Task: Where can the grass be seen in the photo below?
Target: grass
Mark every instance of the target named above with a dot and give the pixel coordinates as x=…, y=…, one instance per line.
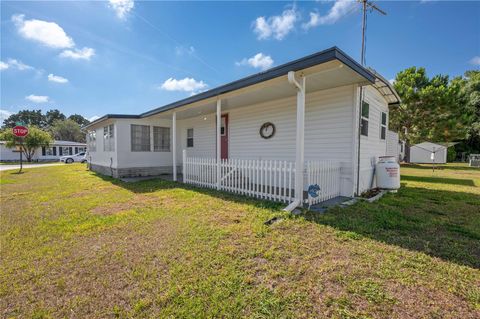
x=76, y=244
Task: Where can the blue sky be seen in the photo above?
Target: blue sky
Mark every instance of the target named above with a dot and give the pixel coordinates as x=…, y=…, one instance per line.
x=122, y=56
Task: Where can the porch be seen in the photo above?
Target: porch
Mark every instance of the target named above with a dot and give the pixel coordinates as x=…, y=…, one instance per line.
x=266, y=179
x=253, y=142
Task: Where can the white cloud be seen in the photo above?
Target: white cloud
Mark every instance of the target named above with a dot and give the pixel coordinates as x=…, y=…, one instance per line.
x=339, y=9
x=475, y=60
x=121, y=7
x=186, y=85
x=181, y=50
x=37, y=98
x=15, y=64
x=4, y=114
x=78, y=54
x=259, y=61
x=48, y=33
x=57, y=78
x=276, y=26
x=313, y=22
x=93, y=118
x=392, y=81
x=3, y=65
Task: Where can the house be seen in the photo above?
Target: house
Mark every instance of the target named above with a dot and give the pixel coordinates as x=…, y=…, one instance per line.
x=50, y=153
x=395, y=146
x=253, y=135
x=428, y=152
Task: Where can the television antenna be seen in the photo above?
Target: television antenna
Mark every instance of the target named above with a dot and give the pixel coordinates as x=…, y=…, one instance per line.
x=367, y=5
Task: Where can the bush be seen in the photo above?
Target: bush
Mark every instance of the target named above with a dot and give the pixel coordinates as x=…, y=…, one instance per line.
x=451, y=154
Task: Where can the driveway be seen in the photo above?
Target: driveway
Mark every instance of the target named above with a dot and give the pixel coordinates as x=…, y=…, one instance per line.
x=17, y=166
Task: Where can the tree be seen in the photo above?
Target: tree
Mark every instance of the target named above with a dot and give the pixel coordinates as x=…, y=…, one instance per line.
x=36, y=138
x=52, y=116
x=430, y=109
x=80, y=120
x=67, y=130
x=27, y=117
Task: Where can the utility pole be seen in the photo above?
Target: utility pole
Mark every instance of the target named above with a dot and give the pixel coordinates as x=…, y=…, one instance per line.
x=367, y=5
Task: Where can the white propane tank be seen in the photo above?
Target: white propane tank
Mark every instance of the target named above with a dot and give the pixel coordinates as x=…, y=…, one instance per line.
x=388, y=173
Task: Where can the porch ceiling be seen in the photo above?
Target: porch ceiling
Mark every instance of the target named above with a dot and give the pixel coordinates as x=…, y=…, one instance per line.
x=329, y=75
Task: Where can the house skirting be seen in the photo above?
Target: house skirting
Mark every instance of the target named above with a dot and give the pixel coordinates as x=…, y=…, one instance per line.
x=131, y=171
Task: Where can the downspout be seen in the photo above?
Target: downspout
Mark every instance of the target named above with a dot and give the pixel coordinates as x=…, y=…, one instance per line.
x=300, y=140
x=359, y=135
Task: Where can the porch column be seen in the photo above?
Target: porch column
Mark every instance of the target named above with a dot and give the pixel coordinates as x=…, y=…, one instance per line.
x=174, y=145
x=300, y=140
x=219, y=144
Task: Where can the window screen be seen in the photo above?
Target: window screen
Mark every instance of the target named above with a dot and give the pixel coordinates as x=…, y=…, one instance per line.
x=190, y=137
x=108, y=138
x=161, y=139
x=140, y=137
x=365, y=117
x=383, y=126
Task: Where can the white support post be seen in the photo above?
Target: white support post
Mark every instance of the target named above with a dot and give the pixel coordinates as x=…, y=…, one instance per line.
x=174, y=145
x=219, y=144
x=300, y=141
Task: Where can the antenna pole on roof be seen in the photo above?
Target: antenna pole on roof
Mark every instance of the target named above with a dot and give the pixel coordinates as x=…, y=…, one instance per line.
x=365, y=6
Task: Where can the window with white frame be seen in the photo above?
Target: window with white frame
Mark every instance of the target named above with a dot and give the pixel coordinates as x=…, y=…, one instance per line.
x=92, y=141
x=108, y=138
x=190, y=137
x=383, y=126
x=161, y=139
x=365, y=118
x=140, y=138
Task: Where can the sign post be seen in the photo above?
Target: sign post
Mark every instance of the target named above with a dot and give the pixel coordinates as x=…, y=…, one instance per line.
x=20, y=131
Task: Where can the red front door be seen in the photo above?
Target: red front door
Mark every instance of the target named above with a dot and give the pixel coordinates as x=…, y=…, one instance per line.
x=224, y=136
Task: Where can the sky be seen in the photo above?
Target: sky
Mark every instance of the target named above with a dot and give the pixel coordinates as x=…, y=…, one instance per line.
x=128, y=57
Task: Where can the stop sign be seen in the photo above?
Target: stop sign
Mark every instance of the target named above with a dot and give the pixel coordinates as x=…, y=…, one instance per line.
x=20, y=131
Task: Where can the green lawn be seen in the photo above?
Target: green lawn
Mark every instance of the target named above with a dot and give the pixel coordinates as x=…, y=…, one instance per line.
x=76, y=244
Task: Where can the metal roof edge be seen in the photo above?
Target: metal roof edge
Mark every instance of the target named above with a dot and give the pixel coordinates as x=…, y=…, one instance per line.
x=295, y=65
x=111, y=116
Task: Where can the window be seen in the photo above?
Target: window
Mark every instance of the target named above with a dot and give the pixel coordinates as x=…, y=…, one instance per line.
x=140, y=138
x=91, y=141
x=383, y=126
x=190, y=137
x=49, y=151
x=222, y=126
x=66, y=150
x=108, y=138
x=161, y=139
x=365, y=116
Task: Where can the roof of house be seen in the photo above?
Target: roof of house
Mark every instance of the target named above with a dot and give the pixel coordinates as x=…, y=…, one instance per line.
x=334, y=53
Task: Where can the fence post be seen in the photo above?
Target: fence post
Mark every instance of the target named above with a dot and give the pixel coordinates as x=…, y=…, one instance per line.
x=184, y=161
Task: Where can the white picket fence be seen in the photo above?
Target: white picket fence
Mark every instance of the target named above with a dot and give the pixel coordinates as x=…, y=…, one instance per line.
x=325, y=174
x=266, y=179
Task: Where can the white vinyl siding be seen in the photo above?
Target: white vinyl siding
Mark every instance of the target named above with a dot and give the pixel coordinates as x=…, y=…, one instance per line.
x=372, y=146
